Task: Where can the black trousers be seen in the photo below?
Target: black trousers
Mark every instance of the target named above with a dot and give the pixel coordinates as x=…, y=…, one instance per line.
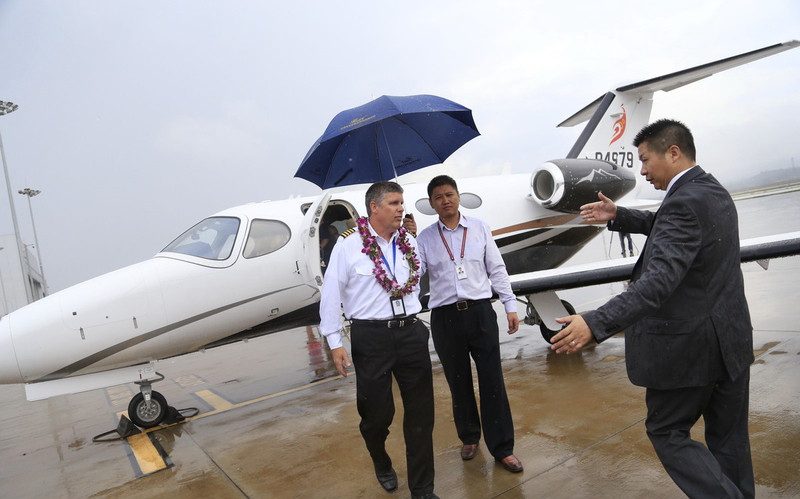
x=457, y=335
x=724, y=468
x=379, y=353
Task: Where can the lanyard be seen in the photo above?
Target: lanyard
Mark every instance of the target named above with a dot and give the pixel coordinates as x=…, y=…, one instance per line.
x=463, y=243
x=394, y=260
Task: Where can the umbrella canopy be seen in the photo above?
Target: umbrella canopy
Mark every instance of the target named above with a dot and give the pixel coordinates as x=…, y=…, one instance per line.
x=385, y=138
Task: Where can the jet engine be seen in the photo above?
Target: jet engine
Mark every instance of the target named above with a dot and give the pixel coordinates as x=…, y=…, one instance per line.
x=566, y=184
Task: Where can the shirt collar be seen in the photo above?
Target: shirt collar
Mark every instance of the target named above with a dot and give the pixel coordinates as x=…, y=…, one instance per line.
x=676, y=177
x=462, y=221
x=374, y=233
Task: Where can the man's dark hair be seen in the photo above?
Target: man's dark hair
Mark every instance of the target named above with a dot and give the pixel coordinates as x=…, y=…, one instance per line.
x=440, y=181
x=662, y=134
x=378, y=191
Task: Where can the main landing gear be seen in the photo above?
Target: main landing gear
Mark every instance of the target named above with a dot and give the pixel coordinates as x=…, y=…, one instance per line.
x=148, y=408
x=546, y=305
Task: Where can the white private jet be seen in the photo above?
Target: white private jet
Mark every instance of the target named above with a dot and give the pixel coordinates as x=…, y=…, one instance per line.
x=257, y=268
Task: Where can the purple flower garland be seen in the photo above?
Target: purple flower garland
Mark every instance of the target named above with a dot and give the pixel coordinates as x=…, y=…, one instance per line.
x=372, y=250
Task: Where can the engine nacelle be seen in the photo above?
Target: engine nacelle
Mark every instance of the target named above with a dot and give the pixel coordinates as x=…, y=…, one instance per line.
x=566, y=184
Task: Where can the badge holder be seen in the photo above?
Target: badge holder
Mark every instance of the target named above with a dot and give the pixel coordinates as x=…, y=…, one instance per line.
x=398, y=307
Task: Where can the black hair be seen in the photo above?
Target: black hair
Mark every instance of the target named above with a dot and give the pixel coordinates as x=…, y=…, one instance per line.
x=665, y=133
x=440, y=181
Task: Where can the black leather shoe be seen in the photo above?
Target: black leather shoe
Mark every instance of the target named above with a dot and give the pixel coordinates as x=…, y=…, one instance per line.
x=425, y=496
x=388, y=479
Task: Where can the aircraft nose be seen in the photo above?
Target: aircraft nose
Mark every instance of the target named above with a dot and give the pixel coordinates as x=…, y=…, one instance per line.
x=9, y=369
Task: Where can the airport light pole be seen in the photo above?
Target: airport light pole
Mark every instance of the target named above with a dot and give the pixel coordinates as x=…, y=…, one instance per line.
x=7, y=108
x=30, y=193
x=3, y=288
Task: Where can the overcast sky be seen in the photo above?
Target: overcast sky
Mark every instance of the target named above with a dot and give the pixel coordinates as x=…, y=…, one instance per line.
x=139, y=118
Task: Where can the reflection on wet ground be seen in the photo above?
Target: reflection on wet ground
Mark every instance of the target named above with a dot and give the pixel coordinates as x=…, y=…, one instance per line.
x=280, y=424
x=276, y=421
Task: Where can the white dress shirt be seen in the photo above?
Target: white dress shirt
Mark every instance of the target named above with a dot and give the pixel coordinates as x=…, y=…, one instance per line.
x=482, y=262
x=676, y=177
x=350, y=283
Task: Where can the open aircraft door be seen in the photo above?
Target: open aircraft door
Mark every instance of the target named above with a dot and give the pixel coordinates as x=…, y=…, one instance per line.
x=312, y=270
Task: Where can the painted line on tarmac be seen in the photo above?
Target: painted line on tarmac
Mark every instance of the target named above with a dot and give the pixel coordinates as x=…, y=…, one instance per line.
x=220, y=404
x=149, y=455
x=214, y=400
x=226, y=405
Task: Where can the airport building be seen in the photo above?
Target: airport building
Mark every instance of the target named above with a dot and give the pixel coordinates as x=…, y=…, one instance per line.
x=20, y=278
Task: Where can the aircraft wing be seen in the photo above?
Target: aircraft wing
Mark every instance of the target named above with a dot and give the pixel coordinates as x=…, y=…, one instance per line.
x=680, y=78
x=760, y=249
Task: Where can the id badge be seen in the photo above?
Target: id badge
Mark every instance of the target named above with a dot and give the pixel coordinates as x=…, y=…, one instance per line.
x=398, y=307
x=461, y=272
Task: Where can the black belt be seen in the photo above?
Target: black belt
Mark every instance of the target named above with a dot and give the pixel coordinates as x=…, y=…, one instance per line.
x=389, y=323
x=465, y=304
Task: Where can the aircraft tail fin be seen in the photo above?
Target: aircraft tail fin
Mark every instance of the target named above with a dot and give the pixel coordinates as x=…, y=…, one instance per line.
x=616, y=117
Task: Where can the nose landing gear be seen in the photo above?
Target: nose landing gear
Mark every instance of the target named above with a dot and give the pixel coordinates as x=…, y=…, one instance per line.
x=148, y=407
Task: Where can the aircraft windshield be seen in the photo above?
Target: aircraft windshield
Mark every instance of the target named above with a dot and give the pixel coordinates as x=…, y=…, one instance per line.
x=212, y=238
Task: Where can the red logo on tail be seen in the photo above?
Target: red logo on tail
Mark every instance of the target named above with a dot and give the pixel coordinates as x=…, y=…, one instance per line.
x=619, y=126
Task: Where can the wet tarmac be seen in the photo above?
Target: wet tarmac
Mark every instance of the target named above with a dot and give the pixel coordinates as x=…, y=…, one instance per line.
x=274, y=421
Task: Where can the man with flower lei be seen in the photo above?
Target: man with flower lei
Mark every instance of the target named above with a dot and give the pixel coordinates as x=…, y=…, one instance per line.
x=378, y=290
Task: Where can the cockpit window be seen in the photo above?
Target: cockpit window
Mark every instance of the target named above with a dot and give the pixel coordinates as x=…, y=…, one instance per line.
x=265, y=237
x=212, y=238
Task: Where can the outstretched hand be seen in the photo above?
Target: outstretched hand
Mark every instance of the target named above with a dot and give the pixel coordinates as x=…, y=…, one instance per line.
x=573, y=337
x=599, y=211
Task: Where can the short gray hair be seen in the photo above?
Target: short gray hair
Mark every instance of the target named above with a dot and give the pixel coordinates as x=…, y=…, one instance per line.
x=378, y=191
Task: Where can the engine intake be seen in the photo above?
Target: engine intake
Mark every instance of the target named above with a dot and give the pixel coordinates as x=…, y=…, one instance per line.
x=566, y=184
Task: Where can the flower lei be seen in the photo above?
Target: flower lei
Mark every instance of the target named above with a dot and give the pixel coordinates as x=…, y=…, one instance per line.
x=372, y=250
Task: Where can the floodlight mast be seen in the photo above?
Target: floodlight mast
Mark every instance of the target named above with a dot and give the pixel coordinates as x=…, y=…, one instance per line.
x=30, y=193
x=7, y=108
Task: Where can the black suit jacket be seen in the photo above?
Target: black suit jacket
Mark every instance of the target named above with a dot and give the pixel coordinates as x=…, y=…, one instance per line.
x=685, y=313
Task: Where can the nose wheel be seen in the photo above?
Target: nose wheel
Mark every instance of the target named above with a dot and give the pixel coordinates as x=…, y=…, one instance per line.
x=147, y=408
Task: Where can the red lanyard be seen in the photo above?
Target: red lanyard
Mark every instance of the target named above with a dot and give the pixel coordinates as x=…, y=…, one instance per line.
x=463, y=243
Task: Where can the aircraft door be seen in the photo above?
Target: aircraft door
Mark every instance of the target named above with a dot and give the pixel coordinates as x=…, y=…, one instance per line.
x=311, y=268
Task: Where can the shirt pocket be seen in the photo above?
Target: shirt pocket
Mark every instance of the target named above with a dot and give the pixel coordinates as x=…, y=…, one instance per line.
x=474, y=252
x=363, y=269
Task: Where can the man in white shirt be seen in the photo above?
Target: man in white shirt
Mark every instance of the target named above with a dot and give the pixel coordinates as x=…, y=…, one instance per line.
x=373, y=275
x=464, y=265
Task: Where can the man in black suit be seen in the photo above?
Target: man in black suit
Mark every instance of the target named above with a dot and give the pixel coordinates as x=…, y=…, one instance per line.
x=688, y=336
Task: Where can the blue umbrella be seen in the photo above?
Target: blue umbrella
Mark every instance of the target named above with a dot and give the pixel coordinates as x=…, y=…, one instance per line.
x=385, y=138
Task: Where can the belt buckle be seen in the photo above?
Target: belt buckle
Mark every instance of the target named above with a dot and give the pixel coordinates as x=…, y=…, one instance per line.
x=462, y=305
x=400, y=323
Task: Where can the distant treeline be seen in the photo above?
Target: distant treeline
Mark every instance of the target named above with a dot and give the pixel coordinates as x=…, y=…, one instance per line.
x=766, y=179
